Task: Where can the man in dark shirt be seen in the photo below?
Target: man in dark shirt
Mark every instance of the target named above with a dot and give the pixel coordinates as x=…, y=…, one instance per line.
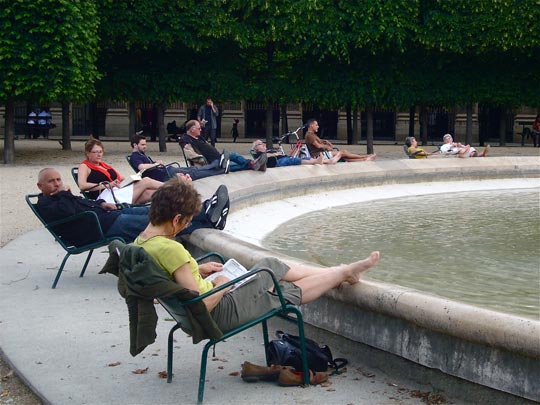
x=158, y=171
x=208, y=114
x=57, y=202
x=193, y=138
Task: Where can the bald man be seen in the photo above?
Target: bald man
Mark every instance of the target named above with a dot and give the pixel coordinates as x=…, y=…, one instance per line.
x=57, y=202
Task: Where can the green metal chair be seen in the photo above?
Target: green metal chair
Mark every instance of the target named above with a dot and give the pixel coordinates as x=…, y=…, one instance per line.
x=86, y=194
x=198, y=160
x=89, y=224
x=176, y=309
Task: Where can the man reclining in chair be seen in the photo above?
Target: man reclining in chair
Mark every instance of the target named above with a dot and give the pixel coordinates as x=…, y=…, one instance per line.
x=192, y=142
x=57, y=202
x=157, y=170
x=172, y=210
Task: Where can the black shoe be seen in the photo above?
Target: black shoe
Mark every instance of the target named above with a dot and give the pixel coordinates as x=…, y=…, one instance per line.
x=216, y=205
x=220, y=224
x=224, y=161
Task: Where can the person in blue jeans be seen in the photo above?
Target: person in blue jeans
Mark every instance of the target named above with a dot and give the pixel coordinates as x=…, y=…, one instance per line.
x=192, y=143
x=278, y=159
x=57, y=202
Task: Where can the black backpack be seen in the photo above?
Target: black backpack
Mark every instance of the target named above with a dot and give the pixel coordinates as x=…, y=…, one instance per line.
x=285, y=351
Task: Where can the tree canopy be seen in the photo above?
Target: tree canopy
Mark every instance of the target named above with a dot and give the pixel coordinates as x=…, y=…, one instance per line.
x=335, y=53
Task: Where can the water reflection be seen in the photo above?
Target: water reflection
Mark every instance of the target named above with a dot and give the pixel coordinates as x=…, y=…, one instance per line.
x=481, y=248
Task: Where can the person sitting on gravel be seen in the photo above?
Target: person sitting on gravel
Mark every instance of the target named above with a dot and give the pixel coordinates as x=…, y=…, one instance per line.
x=57, y=202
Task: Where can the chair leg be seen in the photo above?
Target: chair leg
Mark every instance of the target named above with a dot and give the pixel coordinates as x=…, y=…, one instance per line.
x=86, y=262
x=202, y=375
x=60, y=270
x=302, y=335
x=266, y=341
x=170, y=343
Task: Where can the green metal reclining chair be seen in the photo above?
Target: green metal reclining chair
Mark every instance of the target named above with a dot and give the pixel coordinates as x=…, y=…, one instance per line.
x=198, y=160
x=175, y=164
x=91, y=224
x=181, y=313
x=86, y=194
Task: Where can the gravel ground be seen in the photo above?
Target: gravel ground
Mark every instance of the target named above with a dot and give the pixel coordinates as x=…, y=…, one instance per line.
x=20, y=179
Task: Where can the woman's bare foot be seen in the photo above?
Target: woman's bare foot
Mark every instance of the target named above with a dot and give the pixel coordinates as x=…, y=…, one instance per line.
x=356, y=269
x=485, y=151
x=373, y=156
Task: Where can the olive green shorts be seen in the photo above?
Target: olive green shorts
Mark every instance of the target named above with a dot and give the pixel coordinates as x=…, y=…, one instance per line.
x=254, y=299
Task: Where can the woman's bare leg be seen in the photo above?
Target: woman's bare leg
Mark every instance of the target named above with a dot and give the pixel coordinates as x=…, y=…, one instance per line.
x=315, y=281
x=143, y=190
x=352, y=157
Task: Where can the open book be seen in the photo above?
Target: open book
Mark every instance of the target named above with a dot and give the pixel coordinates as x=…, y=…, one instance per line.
x=232, y=269
x=131, y=178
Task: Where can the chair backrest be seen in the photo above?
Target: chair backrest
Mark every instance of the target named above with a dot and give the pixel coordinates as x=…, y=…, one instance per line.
x=75, y=175
x=406, y=150
x=31, y=200
x=128, y=158
x=87, y=220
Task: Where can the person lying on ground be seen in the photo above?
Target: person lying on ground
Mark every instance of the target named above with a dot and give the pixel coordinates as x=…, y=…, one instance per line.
x=278, y=159
x=172, y=209
x=414, y=151
x=317, y=145
x=56, y=202
x=158, y=171
x=456, y=148
x=192, y=142
x=95, y=177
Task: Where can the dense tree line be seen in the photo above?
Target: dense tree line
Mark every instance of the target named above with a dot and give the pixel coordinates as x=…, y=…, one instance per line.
x=354, y=54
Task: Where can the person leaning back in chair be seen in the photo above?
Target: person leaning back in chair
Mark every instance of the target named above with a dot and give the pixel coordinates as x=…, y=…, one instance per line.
x=317, y=145
x=96, y=177
x=450, y=147
x=158, y=171
x=192, y=143
x=278, y=159
x=172, y=209
x=56, y=202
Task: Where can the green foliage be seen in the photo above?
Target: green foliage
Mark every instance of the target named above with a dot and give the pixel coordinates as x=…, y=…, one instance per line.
x=48, y=49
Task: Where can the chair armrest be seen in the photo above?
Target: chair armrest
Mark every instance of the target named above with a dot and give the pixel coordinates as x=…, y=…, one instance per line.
x=211, y=254
x=175, y=164
x=277, y=288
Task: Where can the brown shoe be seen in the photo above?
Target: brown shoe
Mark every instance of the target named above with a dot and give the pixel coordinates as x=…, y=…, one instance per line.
x=291, y=378
x=252, y=372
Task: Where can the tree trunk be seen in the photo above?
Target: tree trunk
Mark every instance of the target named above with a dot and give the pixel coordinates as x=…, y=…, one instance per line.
x=349, y=124
x=132, y=114
x=356, y=127
x=468, y=124
x=66, y=126
x=502, y=127
x=160, y=127
x=269, y=122
x=9, y=133
x=284, y=119
x=423, y=125
x=369, y=131
x=412, y=113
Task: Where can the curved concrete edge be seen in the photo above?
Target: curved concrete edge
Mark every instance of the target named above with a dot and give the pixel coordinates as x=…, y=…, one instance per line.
x=471, y=340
